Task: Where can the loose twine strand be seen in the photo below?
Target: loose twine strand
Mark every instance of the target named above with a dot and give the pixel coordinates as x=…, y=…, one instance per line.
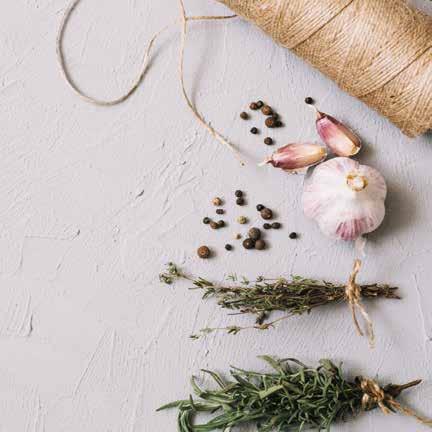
x=136, y=83
x=373, y=394
x=353, y=295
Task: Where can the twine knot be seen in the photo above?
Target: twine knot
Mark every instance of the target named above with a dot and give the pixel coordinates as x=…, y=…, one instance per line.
x=373, y=395
x=353, y=296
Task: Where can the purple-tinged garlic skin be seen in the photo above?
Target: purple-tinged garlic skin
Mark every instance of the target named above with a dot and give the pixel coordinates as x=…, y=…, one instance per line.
x=297, y=156
x=345, y=198
x=339, y=139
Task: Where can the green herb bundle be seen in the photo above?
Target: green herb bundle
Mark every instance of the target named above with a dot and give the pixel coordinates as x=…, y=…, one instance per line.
x=263, y=295
x=292, y=398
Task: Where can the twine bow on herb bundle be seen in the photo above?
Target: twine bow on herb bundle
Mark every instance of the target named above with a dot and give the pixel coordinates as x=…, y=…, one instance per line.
x=292, y=398
x=295, y=296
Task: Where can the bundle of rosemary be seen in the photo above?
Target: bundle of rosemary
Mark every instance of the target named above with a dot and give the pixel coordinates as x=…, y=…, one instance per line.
x=292, y=398
x=295, y=296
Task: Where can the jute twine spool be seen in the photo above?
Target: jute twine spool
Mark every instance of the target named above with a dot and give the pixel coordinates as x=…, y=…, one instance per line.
x=379, y=51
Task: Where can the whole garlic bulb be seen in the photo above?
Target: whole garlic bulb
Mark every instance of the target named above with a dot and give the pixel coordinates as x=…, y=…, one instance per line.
x=345, y=198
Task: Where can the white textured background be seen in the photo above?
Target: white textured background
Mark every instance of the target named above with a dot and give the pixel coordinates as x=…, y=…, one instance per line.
x=94, y=201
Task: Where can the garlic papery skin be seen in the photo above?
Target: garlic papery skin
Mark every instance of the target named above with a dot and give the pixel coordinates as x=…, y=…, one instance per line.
x=345, y=198
x=339, y=139
x=297, y=156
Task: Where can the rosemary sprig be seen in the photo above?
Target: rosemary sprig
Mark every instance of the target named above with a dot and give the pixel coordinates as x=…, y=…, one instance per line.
x=292, y=398
x=263, y=295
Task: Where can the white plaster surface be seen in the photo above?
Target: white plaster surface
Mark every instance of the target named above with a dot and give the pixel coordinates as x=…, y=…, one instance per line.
x=94, y=201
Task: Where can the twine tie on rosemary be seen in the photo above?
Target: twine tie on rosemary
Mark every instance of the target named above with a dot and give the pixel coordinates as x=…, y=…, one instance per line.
x=136, y=83
x=374, y=394
x=353, y=296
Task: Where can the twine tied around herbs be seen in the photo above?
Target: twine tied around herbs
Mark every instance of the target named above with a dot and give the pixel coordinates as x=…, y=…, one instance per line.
x=373, y=394
x=136, y=83
x=353, y=295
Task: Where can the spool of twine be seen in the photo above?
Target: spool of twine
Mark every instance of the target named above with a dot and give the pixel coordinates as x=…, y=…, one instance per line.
x=379, y=51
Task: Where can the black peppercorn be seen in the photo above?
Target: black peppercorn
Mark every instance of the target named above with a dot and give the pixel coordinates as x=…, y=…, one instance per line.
x=278, y=123
x=254, y=131
x=309, y=100
x=267, y=226
x=221, y=224
x=260, y=104
x=266, y=213
x=253, y=106
x=266, y=110
x=206, y=220
x=220, y=211
x=293, y=235
x=248, y=243
x=214, y=225
x=260, y=244
x=259, y=207
x=228, y=247
x=270, y=122
x=203, y=252
x=240, y=201
x=275, y=225
x=238, y=193
x=268, y=141
x=254, y=233
x=244, y=115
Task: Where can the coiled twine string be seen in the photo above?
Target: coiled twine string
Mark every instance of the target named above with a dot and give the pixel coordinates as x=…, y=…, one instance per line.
x=136, y=83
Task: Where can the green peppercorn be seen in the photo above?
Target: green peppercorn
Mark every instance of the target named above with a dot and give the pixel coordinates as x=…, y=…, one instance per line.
x=254, y=131
x=242, y=220
x=293, y=235
x=220, y=211
x=253, y=106
x=309, y=100
x=228, y=247
x=203, y=252
x=266, y=213
x=275, y=225
x=244, y=115
x=260, y=244
x=240, y=201
x=267, y=226
x=254, y=233
x=238, y=193
x=266, y=110
x=259, y=207
x=249, y=243
x=268, y=141
x=206, y=220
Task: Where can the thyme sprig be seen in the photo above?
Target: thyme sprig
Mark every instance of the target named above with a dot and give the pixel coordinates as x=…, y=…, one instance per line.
x=262, y=296
x=292, y=398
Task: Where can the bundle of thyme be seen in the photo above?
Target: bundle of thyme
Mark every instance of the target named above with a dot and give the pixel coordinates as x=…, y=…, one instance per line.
x=293, y=398
x=295, y=296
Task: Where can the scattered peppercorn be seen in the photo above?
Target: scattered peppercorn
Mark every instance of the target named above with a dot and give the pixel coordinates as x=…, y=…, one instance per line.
x=309, y=100
x=237, y=236
x=228, y=247
x=266, y=213
x=214, y=225
x=204, y=252
x=217, y=201
x=270, y=122
x=275, y=225
x=260, y=244
x=266, y=110
x=244, y=115
x=278, y=123
x=238, y=193
x=249, y=243
x=260, y=104
x=293, y=235
x=254, y=131
x=275, y=115
x=259, y=207
x=267, y=226
x=253, y=106
x=221, y=224
x=254, y=233
x=242, y=220
x=206, y=220
x=240, y=201
x=268, y=141
x=220, y=211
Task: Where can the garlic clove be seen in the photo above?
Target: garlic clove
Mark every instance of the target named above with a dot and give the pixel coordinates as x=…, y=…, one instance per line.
x=297, y=156
x=340, y=140
x=345, y=198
